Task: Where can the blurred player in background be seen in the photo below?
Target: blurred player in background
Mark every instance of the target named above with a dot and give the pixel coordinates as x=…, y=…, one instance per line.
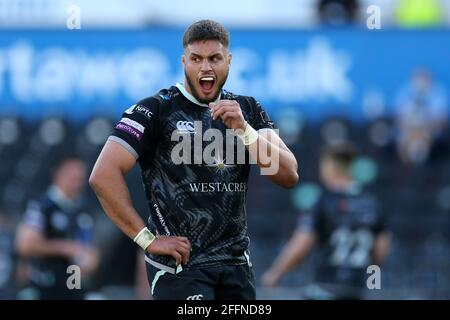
x=55, y=233
x=421, y=118
x=348, y=228
x=196, y=241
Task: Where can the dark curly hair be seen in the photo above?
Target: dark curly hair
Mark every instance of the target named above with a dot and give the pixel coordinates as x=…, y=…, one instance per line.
x=206, y=30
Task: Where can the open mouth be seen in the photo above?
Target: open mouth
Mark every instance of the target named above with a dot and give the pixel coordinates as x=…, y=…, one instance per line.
x=207, y=83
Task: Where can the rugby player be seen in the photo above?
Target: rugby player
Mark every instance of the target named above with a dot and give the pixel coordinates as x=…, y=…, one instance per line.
x=195, y=239
x=348, y=228
x=55, y=233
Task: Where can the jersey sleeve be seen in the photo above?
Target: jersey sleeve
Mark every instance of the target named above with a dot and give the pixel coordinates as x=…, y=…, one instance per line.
x=34, y=216
x=137, y=129
x=260, y=118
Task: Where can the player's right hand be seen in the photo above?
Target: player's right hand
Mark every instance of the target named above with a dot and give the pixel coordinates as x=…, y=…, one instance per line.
x=177, y=247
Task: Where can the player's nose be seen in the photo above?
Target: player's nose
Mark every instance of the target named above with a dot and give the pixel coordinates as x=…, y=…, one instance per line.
x=206, y=66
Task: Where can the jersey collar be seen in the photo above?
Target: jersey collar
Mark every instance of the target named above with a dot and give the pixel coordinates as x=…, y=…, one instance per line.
x=57, y=196
x=191, y=98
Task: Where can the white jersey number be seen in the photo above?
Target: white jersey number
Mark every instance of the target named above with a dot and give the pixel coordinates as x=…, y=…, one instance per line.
x=351, y=248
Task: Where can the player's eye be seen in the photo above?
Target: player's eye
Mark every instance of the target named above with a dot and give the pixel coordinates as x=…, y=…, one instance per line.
x=195, y=59
x=216, y=59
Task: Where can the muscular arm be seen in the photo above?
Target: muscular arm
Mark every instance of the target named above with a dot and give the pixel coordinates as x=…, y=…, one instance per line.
x=272, y=153
x=108, y=182
x=292, y=254
x=269, y=151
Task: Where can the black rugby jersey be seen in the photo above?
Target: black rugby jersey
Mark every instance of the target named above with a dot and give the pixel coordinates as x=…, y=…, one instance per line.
x=346, y=225
x=203, y=200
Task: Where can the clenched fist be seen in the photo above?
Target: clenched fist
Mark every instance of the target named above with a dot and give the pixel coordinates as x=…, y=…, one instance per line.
x=177, y=247
x=230, y=113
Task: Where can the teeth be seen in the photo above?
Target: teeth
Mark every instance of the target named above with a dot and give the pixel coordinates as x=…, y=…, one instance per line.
x=207, y=79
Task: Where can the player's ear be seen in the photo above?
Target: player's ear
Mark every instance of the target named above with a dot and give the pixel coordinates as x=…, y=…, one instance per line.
x=230, y=57
x=183, y=59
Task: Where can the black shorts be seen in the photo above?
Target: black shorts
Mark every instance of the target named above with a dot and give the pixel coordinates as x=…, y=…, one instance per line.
x=227, y=282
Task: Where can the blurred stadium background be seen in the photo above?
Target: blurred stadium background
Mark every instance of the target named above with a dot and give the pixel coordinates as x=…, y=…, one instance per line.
x=322, y=75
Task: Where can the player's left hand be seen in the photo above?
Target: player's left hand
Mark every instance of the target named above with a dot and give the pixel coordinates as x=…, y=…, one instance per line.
x=230, y=113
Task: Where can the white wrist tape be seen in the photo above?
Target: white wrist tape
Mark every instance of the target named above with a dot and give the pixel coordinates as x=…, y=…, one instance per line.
x=144, y=238
x=249, y=136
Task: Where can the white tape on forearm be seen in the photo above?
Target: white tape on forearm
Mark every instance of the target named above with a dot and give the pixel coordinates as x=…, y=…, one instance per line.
x=249, y=136
x=144, y=238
